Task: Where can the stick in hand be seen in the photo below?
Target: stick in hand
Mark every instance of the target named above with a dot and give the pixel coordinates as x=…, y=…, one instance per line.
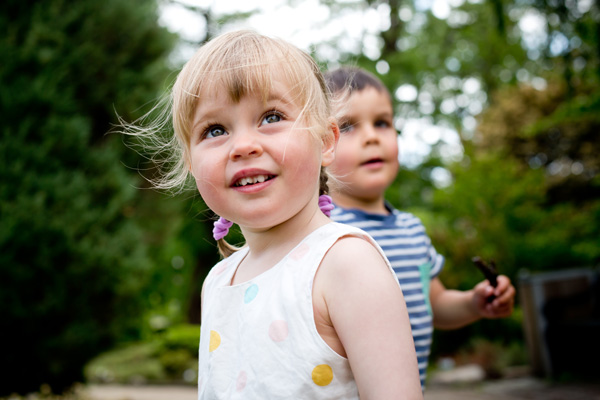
x=489, y=271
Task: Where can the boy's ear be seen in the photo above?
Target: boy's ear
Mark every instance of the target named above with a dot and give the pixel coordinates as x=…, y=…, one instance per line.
x=330, y=143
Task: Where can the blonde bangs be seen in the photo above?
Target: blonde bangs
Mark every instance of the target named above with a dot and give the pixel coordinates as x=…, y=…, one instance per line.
x=242, y=63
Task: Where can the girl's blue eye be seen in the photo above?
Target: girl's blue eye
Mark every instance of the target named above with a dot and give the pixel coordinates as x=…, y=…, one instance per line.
x=382, y=124
x=271, y=118
x=214, y=131
x=346, y=127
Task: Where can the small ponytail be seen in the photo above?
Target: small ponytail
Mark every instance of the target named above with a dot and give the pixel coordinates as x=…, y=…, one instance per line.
x=225, y=248
x=323, y=178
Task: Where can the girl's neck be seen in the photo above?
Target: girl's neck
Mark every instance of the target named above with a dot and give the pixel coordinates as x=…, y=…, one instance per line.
x=269, y=246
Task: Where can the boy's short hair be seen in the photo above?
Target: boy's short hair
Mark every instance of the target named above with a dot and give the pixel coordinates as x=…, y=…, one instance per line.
x=353, y=79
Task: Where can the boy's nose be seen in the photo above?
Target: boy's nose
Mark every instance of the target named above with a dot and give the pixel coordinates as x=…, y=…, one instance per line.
x=370, y=134
x=245, y=143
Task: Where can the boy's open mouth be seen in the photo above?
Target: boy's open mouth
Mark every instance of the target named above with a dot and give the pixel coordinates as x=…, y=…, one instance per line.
x=372, y=161
x=251, y=180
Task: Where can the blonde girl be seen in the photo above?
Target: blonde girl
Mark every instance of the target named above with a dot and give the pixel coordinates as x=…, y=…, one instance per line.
x=307, y=308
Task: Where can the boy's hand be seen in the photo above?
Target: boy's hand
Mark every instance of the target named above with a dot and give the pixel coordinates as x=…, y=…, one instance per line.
x=502, y=305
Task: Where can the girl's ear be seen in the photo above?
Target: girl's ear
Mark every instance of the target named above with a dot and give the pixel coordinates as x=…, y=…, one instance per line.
x=330, y=143
x=188, y=163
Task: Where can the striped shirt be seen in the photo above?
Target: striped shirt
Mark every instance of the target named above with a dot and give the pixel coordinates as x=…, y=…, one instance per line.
x=402, y=237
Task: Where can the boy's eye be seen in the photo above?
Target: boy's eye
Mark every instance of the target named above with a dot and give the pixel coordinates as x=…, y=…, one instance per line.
x=214, y=131
x=271, y=117
x=382, y=124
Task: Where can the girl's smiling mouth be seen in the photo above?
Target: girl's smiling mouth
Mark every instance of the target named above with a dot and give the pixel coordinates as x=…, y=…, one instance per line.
x=251, y=180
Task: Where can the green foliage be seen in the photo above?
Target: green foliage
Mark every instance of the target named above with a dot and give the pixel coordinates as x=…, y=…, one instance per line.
x=167, y=357
x=413, y=188
x=182, y=337
x=199, y=250
x=73, y=257
x=126, y=365
x=497, y=209
x=71, y=261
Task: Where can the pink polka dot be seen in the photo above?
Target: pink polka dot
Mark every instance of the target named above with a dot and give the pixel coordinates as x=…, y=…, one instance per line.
x=300, y=252
x=241, y=381
x=221, y=268
x=278, y=331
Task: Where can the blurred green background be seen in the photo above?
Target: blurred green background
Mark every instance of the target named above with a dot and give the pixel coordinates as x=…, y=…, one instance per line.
x=501, y=97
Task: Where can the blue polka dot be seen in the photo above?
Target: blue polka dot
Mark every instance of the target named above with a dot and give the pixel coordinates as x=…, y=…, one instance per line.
x=251, y=293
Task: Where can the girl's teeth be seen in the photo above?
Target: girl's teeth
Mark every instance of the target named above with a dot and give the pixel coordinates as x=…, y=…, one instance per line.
x=252, y=180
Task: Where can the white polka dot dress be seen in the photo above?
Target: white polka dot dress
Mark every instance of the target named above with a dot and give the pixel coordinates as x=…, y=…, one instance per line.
x=259, y=340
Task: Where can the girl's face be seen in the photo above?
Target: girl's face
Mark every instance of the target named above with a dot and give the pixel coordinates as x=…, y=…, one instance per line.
x=254, y=162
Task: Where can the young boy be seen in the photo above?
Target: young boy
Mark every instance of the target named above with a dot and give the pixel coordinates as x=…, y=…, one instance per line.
x=366, y=164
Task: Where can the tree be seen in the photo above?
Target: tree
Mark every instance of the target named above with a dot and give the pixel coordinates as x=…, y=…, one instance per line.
x=72, y=254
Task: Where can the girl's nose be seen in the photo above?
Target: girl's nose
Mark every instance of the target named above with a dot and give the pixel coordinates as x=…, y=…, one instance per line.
x=245, y=144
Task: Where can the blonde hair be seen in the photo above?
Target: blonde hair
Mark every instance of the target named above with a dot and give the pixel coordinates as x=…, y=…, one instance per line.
x=241, y=62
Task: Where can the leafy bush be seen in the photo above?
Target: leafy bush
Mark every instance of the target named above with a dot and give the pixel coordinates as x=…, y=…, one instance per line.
x=182, y=337
x=133, y=363
x=169, y=357
x=73, y=258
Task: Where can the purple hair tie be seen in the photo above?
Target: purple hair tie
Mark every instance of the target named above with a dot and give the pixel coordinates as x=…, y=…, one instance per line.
x=221, y=228
x=326, y=204
x=222, y=225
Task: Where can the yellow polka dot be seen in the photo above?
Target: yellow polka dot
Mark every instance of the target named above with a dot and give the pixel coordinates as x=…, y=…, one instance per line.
x=322, y=375
x=215, y=341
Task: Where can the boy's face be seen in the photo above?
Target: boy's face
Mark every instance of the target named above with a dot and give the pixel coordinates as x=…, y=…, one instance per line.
x=366, y=159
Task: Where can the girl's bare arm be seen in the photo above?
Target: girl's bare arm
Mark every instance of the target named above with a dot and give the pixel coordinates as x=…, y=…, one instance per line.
x=367, y=310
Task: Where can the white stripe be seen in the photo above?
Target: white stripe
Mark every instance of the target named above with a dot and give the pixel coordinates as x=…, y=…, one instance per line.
x=420, y=320
x=423, y=331
x=408, y=263
x=423, y=342
x=341, y=218
x=412, y=251
x=394, y=232
x=414, y=297
x=409, y=286
x=366, y=224
x=417, y=309
x=401, y=240
x=422, y=353
x=407, y=274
